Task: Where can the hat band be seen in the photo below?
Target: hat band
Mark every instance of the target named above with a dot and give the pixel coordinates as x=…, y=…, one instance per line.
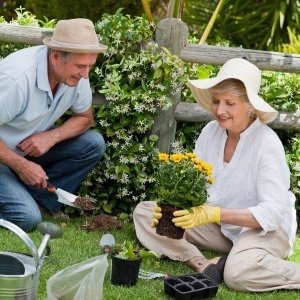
x=74, y=46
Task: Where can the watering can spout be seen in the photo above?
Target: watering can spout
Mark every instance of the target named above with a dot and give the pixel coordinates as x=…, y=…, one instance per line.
x=49, y=231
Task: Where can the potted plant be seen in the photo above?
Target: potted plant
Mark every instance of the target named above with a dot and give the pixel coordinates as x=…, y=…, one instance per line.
x=181, y=183
x=126, y=262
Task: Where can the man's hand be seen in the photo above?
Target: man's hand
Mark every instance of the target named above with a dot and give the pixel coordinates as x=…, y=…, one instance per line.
x=198, y=216
x=32, y=174
x=37, y=144
x=156, y=216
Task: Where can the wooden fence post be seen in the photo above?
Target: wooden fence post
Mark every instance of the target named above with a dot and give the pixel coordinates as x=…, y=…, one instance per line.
x=172, y=34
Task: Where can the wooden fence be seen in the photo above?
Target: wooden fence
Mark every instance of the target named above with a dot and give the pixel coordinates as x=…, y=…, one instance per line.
x=172, y=34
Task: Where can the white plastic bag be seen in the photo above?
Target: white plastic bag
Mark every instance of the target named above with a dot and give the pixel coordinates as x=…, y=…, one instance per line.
x=82, y=281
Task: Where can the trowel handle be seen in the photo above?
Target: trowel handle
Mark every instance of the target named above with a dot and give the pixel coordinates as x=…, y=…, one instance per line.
x=106, y=249
x=50, y=187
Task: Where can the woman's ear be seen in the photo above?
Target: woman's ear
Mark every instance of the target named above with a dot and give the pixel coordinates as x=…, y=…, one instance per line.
x=249, y=106
x=250, y=109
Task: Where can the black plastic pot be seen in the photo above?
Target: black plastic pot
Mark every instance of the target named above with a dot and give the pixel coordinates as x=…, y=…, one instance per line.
x=124, y=271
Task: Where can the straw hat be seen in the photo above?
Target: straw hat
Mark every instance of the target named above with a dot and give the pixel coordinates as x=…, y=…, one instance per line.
x=76, y=36
x=243, y=70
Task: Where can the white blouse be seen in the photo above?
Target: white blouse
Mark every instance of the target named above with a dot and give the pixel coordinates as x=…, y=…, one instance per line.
x=257, y=177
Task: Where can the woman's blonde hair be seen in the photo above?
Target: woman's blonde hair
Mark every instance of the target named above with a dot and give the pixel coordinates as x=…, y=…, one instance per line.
x=232, y=86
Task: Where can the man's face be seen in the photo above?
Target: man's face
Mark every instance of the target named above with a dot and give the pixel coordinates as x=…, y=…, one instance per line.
x=71, y=71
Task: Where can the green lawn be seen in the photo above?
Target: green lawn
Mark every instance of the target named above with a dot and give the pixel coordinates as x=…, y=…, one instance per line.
x=78, y=245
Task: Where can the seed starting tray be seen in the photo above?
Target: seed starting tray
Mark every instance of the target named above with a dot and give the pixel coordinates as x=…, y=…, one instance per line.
x=190, y=286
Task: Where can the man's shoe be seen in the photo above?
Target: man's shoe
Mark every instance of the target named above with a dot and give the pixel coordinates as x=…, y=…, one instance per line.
x=59, y=215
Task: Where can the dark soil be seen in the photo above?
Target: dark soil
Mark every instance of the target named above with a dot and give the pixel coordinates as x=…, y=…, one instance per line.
x=103, y=222
x=165, y=226
x=84, y=203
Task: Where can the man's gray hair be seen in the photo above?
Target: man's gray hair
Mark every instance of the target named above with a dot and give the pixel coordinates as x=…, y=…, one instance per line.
x=63, y=54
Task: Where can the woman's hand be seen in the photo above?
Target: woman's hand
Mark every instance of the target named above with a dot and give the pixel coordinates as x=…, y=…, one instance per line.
x=156, y=216
x=196, y=216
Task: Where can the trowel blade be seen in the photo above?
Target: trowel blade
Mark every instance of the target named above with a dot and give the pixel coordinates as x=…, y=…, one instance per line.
x=107, y=240
x=65, y=197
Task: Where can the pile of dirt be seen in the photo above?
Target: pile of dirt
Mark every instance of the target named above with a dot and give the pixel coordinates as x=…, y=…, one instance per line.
x=103, y=222
x=84, y=203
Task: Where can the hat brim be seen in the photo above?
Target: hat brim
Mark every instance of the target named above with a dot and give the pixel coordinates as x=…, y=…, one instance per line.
x=200, y=90
x=74, y=48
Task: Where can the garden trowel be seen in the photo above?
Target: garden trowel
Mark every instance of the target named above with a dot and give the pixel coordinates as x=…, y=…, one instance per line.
x=63, y=196
x=106, y=241
x=70, y=199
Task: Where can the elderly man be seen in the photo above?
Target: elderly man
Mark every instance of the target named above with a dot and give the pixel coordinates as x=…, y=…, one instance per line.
x=37, y=86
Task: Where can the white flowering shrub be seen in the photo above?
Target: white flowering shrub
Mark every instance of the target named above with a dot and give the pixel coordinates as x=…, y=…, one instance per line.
x=136, y=77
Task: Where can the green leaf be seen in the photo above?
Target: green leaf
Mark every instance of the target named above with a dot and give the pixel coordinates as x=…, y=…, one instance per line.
x=107, y=208
x=109, y=132
x=153, y=138
x=157, y=73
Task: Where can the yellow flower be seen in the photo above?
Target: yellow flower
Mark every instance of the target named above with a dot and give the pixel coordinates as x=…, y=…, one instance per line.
x=199, y=168
x=206, y=166
x=197, y=161
x=211, y=180
x=182, y=180
x=163, y=156
x=191, y=155
x=209, y=173
x=177, y=157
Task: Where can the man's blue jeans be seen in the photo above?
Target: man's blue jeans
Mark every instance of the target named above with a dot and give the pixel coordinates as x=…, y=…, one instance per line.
x=66, y=164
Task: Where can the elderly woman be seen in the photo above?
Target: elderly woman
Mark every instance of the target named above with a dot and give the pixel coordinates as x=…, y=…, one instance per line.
x=250, y=212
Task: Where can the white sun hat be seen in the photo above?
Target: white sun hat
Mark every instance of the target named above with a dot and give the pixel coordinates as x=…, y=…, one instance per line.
x=243, y=70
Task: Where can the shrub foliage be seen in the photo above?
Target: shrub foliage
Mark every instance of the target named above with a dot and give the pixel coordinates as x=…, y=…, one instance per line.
x=137, y=76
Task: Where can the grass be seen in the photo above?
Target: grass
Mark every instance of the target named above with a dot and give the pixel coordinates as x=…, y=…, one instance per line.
x=78, y=245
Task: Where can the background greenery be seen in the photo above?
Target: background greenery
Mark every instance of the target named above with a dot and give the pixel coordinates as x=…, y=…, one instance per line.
x=136, y=77
x=253, y=24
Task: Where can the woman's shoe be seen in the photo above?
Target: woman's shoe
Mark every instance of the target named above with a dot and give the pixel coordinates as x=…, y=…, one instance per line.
x=215, y=271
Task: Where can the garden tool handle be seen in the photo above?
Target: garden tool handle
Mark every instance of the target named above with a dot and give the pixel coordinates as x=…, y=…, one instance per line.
x=50, y=187
x=23, y=235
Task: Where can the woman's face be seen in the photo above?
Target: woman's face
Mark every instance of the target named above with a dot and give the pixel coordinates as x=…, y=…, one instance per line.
x=230, y=111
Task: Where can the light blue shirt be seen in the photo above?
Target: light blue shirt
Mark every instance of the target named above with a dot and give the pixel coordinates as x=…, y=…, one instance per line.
x=26, y=101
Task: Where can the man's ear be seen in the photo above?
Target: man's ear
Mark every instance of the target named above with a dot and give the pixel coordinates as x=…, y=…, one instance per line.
x=54, y=56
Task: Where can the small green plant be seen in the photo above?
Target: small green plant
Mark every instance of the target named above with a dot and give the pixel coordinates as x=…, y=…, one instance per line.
x=181, y=180
x=129, y=251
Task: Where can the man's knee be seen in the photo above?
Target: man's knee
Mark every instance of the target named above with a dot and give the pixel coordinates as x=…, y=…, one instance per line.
x=26, y=221
x=94, y=143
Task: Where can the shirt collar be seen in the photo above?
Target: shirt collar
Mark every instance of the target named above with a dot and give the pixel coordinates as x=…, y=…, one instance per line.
x=42, y=69
x=251, y=128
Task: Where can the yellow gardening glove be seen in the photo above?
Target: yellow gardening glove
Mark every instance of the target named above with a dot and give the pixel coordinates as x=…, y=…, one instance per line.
x=156, y=216
x=200, y=215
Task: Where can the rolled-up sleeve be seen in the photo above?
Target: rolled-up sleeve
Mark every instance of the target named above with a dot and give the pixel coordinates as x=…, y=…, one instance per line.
x=273, y=182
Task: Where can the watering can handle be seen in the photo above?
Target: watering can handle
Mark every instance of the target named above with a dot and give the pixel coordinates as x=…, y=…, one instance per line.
x=17, y=230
